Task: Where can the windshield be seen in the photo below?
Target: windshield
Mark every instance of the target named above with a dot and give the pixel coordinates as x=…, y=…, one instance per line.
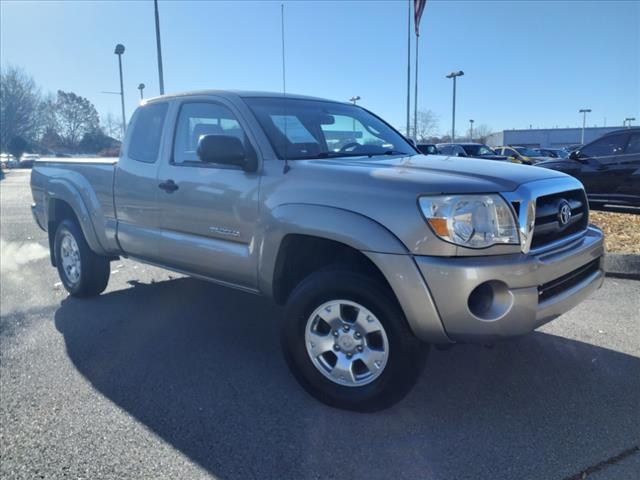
x=528, y=152
x=478, y=150
x=300, y=129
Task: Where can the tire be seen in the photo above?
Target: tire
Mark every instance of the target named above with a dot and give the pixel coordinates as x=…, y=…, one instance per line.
x=356, y=296
x=92, y=276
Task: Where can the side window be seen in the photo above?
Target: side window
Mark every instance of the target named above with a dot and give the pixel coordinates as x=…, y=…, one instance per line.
x=147, y=131
x=445, y=150
x=634, y=144
x=605, y=147
x=198, y=119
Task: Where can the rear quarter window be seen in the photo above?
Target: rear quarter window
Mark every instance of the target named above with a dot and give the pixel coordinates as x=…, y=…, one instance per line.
x=147, y=132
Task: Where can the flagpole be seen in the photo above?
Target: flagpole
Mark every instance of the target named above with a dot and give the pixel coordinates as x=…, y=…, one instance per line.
x=408, y=67
x=415, y=97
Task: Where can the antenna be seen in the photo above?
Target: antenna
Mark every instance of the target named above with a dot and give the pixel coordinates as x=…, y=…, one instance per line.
x=284, y=82
x=284, y=93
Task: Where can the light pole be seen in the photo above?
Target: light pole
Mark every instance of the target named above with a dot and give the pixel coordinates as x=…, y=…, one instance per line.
x=119, y=51
x=141, y=88
x=159, y=47
x=584, y=112
x=454, y=75
x=471, y=130
x=628, y=119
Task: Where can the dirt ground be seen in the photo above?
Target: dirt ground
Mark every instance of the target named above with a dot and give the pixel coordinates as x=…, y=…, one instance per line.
x=622, y=230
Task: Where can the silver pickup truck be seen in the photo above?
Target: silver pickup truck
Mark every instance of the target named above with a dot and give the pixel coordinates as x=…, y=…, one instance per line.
x=375, y=250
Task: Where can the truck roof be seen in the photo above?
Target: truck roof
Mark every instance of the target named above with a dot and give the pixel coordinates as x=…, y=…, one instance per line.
x=235, y=93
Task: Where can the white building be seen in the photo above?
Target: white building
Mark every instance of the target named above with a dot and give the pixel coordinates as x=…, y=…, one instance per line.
x=547, y=137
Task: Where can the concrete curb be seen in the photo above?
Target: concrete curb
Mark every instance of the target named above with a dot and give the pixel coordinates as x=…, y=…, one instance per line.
x=622, y=265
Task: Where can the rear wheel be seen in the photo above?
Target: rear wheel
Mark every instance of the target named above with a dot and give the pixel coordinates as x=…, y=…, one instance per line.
x=83, y=272
x=347, y=342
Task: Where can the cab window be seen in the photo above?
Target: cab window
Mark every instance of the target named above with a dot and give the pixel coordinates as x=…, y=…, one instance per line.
x=198, y=119
x=147, y=132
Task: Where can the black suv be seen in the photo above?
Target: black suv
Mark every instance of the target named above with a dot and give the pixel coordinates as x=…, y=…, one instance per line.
x=609, y=169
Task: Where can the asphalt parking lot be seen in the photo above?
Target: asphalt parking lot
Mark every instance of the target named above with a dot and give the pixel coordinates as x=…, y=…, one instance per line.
x=168, y=377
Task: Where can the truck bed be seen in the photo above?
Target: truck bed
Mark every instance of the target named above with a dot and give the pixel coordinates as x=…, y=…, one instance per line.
x=86, y=184
x=78, y=160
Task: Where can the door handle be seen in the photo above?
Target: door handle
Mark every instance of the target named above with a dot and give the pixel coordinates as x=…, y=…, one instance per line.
x=169, y=186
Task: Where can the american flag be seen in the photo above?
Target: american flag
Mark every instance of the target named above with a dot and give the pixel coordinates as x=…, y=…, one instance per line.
x=418, y=8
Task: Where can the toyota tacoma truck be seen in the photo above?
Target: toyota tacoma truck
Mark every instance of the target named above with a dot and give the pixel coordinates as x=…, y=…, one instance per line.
x=375, y=250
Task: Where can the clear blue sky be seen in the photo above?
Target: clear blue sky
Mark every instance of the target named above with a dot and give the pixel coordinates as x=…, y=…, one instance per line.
x=525, y=62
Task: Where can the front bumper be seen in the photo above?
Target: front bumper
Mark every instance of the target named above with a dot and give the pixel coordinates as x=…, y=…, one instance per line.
x=484, y=299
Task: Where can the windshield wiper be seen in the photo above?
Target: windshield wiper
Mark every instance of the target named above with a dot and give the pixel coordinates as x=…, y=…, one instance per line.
x=388, y=152
x=339, y=154
x=354, y=154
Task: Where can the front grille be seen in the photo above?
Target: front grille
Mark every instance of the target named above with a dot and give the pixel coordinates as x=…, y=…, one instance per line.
x=548, y=228
x=559, y=285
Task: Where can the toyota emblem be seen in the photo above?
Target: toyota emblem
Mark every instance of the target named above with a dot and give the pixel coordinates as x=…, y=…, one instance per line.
x=564, y=213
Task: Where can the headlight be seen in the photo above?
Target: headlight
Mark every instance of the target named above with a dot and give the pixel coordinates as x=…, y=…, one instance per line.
x=474, y=221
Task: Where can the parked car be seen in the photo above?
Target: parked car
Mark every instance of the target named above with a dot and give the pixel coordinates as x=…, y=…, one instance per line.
x=524, y=155
x=427, y=148
x=27, y=160
x=375, y=250
x=7, y=160
x=552, y=152
x=609, y=169
x=473, y=150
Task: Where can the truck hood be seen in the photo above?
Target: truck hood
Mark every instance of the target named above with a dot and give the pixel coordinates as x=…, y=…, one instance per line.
x=445, y=174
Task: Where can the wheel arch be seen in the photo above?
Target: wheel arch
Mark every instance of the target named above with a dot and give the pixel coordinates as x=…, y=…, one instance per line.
x=63, y=201
x=332, y=234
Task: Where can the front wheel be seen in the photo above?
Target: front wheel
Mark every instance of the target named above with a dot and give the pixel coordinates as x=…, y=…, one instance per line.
x=347, y=341
x=83, y=272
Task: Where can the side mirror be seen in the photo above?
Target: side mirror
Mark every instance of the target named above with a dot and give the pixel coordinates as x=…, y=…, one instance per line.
x=226, y=150
x=575, y=155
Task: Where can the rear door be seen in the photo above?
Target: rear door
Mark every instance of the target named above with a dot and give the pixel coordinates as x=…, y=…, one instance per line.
x=629, y=188
x=209, y=217
x=136, y=186
x=602, y=167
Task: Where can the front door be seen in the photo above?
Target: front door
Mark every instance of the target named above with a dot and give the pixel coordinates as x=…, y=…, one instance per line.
x=208, y=212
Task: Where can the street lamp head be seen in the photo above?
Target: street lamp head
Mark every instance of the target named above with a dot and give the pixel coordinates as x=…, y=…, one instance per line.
x=141, y=86
x=119, y=49
x=630, y=119
x=471, y=120
x=355, y=98
x=459, y=73
x=584, y=110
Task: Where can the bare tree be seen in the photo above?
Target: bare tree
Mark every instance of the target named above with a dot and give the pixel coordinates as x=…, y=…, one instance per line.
x=19, y=106
x=75, y=116
x=112, y=126
x=428, y=123
x=481, y=132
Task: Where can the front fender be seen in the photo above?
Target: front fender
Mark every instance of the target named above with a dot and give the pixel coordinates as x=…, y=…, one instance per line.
x=383, y=248
x=344, y=226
